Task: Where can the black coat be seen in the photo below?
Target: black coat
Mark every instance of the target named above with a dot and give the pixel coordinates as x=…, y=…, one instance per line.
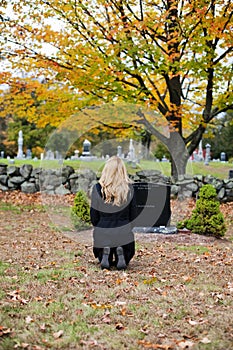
x=112, y=224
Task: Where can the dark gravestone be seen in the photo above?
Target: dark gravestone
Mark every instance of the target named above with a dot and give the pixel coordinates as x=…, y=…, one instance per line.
x=153, y=204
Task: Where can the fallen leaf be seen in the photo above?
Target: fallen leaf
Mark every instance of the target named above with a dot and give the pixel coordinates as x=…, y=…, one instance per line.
x=89, y=343
x=106, y=318
x=101, y=306
x=4, y=331
x=186, y=344
x=123, y=311
x=230, y=287
x=147, y=344
x=29, y=319
x=119, y=303
x=145, y=329
x=22, y=346
x=119, y=326
x=194, y=323
x=187, y=279
x=205, y=341
x=58, y=334
x=150, y=281
x=43, y=327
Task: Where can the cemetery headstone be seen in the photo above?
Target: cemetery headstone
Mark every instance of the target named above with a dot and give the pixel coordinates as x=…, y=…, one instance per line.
x=131, y=154
x=223, y=156
x=58, y=155
x=153, y=204
x=49, y=155
x=75, y=156
x=28, y=154
x=207, y=154
x=200, y=152
x=119, y=151
x=86, y=148
x=20, y=145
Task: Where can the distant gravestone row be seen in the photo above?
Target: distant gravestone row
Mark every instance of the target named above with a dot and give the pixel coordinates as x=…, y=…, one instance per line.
x=131, y=156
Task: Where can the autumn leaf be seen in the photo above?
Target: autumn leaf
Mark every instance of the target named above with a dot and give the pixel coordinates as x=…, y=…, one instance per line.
x=150, y=281
x=195, y=323
x=106, y=318
x=147, y=344
x=58, y=334
x=205, y=341
x=186, y=344
x=101, y=306
x=4, y=331
x=119, y=326
x=29, y=319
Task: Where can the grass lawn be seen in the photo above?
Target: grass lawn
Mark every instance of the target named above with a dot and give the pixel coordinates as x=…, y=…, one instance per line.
x=176, y=293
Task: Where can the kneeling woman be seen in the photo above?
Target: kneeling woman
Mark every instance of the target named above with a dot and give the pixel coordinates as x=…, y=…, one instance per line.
x=113, y=209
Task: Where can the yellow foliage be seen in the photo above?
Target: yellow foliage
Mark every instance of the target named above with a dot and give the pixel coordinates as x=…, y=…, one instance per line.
x=104, y=54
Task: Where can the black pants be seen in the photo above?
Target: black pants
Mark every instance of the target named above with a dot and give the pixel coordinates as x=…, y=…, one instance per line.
x=128, y=249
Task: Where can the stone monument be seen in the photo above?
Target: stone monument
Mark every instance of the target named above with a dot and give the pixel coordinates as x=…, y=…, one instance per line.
x=223, y=157
x=76, y=155
x=86, y=148
x=131, y=154
x=119, y=151
x=200, y=152
x=20, y=145
x=28, y=154
x=86, y=153
x=207, y=154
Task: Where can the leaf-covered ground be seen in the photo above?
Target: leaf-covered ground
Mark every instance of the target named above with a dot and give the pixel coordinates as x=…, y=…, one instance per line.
x=176, y=293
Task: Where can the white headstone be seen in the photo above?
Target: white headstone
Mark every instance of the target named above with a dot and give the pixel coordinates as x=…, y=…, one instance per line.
x=20, y=145
x=131, y=154
x=200, y=152
x=119, y=151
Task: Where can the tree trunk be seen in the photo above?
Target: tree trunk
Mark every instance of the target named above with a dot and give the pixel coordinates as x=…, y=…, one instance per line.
x=179, y=154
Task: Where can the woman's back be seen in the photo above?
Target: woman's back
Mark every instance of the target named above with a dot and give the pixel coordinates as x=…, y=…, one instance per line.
x=112, y=212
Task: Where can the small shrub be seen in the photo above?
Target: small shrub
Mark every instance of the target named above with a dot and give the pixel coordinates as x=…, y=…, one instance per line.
x=80, y=212
x=206, y=218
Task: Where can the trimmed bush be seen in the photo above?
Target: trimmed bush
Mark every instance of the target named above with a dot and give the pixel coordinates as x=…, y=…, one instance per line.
x=206, y=218
x=80, y=212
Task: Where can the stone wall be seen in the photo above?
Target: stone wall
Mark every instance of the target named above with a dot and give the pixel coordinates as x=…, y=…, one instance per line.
x=66, y=181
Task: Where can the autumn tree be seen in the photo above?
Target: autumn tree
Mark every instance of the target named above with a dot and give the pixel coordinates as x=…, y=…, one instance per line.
x=173, y=57
x=35, y=138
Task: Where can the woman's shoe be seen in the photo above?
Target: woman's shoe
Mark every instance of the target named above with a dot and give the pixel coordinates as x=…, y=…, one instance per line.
x=105, y=258
x=121, y=264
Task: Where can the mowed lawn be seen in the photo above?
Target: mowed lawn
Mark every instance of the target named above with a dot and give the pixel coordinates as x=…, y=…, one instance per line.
x=176, y=294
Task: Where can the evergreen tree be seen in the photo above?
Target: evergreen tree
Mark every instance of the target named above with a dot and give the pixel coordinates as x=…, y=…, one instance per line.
x=206, y=218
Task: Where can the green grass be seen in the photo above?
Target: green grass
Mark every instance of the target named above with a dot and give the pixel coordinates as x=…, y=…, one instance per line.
x=9, y=207
x=216, y=169
x=17, y=209
x=3, y=267
x=194, y=248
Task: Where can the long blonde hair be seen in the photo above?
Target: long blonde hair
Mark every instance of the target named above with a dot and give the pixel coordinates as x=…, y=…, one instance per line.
x=114, y=181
